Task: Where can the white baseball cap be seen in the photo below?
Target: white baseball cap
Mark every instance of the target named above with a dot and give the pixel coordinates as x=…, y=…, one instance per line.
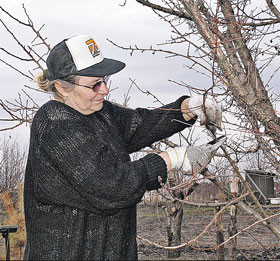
x=79, y=55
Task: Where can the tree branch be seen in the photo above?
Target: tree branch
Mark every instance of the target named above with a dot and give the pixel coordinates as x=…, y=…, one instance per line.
x=273, y=8
x=164, y=9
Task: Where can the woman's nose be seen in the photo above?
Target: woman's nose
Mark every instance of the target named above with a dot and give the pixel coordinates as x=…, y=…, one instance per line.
x=103, y=89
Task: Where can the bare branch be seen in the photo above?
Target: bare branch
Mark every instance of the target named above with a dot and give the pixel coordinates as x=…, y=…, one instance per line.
x=164, y=9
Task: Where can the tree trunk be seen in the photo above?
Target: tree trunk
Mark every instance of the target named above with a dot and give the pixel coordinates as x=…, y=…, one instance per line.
x=174, y=214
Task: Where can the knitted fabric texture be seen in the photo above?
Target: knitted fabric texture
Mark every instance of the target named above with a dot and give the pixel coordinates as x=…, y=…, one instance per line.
x=81, y=188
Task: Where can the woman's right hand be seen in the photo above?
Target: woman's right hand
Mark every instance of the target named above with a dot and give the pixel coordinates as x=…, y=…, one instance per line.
x=192, y=159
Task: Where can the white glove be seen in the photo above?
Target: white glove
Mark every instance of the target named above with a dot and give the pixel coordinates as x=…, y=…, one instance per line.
x=183, y=158
x=213, y=118
x=194, y=159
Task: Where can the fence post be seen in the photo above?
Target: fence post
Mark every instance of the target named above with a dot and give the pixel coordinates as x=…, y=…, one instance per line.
x=232, y=229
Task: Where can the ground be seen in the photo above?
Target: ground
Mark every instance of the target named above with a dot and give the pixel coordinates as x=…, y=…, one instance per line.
x=257, y=243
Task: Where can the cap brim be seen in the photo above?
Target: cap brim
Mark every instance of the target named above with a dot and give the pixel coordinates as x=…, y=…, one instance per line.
x=104, y=68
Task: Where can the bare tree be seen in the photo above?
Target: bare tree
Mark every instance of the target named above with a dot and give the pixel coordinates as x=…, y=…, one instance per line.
x=233, y=43
x=12, y=165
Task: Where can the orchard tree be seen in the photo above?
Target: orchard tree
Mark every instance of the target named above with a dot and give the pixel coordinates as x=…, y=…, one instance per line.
x=236, y=44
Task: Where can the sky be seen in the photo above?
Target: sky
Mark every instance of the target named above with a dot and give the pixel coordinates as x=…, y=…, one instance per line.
x=127, y=26
x=130, y=25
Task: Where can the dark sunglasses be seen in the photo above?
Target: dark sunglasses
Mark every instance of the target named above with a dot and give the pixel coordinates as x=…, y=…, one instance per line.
x=96, y=87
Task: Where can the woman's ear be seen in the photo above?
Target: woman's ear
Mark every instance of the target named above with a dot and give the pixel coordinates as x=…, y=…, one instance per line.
x=62, y=89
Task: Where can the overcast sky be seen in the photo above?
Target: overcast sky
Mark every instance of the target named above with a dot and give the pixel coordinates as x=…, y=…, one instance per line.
x=102, y=19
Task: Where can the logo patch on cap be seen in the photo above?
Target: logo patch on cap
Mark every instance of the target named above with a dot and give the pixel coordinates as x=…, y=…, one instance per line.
x=84, y=51
x=93, y=48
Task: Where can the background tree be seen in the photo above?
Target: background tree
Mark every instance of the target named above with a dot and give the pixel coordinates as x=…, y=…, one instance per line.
x=12, y=165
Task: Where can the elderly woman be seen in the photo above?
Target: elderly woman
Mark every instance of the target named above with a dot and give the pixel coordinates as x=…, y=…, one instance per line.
x=81, y=188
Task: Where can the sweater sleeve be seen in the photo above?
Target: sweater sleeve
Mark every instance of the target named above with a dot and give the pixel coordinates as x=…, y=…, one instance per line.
x=142, y=127
x=80, y=170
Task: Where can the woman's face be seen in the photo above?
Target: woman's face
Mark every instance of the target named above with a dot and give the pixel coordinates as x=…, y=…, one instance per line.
x=86, y=100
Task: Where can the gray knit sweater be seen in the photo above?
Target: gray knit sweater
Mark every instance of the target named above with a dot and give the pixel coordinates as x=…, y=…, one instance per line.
x=81, y=188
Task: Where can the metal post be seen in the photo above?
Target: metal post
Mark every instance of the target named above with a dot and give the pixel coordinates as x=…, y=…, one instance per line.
x=7, y=244
x=6, y=230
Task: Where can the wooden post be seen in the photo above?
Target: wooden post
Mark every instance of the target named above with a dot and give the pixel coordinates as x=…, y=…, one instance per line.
x=232, y=229
x=219, y=235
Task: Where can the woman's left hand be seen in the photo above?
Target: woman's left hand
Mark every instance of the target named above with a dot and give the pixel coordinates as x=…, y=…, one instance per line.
x=207, y=110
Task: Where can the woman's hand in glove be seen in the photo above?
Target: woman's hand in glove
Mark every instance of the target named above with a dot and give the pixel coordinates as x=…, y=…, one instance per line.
x=193, y=159
x=207, y=110
x=189, y=159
